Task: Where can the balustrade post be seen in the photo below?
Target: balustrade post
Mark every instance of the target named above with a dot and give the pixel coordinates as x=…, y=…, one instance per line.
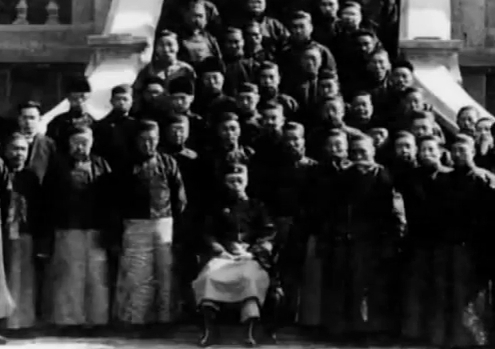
x=53, y=10
x=21, y=13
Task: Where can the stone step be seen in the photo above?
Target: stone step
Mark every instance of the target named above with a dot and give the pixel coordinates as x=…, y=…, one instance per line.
x=175, y=337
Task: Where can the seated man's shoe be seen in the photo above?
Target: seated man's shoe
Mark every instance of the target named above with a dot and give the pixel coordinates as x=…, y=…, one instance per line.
x=3, y=340
x=272, y=336
x=208, y=336
x=249, y=340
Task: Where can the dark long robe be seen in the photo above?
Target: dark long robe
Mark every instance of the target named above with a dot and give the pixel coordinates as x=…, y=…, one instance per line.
x=42, y=155
x=114, y=139
x=464, y=261
x=83, y=223
x=363, y=229
x=22, y=219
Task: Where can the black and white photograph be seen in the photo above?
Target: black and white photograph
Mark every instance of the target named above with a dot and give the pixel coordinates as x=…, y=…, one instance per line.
x=280, y=174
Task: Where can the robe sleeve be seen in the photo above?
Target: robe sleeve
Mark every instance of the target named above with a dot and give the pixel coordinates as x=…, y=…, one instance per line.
x=177, y=189
x=394, y=217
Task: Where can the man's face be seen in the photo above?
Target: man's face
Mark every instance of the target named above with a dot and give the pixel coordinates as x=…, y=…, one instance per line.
x=483, y=130
x=234, y=45
x=147, y=142
x=311, y=61
x=351, y=17
x=462, y=154
x=402, y=78
x=153, y=93
x=379, y=137
x=329, y=8
x=414, y=102
x=328, y=88
x=17, y=152
x=229, y=131
x=422, y=127
x=365, y=45
x=301, y=29
x=236, y=183
x=405, y=149
x=362, y=151
x=177, y=134
x=29, y=121
x=122, y=102
x=429, y=153
x=253, y=37
x=336, y=147
x=467, y=121
x=334, y=112
x=273, y=119
x=269, y=79
x=166, y=48
x=256, y=7
x=379, y=66
x=247, y=101
x=294, y=142
x=362, y=107
x=77, y=100
x=197, y=16
x=213, y=81
x=181, y=102
x=80, y=146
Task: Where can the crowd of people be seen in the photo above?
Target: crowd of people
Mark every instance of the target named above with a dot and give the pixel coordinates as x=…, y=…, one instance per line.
x=286, y=167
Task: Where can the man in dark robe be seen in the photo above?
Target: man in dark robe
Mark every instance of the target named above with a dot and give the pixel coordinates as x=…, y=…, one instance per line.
x=114, y=133
x=365, y=227
x=78, y=91
x=42, y=149
x=238, y=257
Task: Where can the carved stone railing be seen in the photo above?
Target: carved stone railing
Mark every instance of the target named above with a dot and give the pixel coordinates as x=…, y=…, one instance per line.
x=36, y=12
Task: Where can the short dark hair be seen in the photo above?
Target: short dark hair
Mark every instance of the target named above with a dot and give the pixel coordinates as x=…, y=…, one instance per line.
x=429, y=138
x=361, y=93
x=271, y=105
x=122, y=89
x=297, y=15
x=364, y=32
x=422, y=115
x=293, y=126
x=267, y=65
x=226, y=117
x=154, y=80
x=146, y=125
x=334, y=133
x=167, y=33
x=28, y=105
x=403, y=64
x=403, y=134
x=462, y=138
x=410, y=90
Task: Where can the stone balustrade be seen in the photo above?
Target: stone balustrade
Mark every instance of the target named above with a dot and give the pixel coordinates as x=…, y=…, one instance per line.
x=36, y=12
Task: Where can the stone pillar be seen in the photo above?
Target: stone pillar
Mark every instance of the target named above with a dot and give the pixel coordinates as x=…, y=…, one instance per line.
x=426, y=19
x=425, y=34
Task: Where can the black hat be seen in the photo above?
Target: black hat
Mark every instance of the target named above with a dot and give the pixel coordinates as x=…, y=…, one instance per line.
x=77, y=85
x=181, y=84
x=211, y=65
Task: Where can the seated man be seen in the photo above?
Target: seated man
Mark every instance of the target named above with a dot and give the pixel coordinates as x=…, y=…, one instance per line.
x=239, y=236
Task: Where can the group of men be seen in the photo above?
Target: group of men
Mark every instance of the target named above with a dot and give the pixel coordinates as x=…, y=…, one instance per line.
x=287, y=167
